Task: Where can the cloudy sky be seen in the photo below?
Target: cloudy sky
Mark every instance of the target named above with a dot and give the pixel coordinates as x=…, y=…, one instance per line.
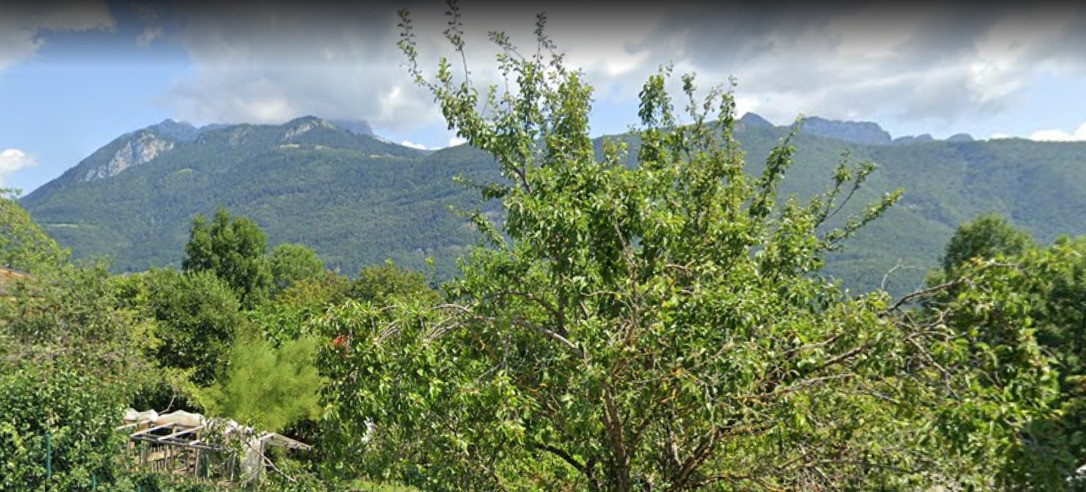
x=75, y=75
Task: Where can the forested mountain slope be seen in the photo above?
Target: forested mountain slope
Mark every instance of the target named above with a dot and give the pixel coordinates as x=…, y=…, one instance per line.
x=357, y=199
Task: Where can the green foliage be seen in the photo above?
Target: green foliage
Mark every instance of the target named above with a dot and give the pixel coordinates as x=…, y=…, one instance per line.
x=985, y=237
x=195, y=316
x=358, y=201
x=23, y=245
x=56, y=428
x=266, y=386
x=1030, y=298
x=159, y=482
x=318, y=293
x=74, y=314
x=291, y=263
x=662, y=325
x=381, y=284
x=284, y=318
x=233, y=249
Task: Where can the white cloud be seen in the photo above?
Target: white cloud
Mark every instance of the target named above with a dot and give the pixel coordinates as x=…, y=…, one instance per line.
x=149, y=36
x=283, y=61
x=1059, y=135
x=930, y=64
x=413, y=145
x=12, y=160
x=22, y=22
x=908, y=62
x=454, y=141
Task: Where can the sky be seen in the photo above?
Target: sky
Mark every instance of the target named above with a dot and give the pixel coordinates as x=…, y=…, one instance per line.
x=76, y=75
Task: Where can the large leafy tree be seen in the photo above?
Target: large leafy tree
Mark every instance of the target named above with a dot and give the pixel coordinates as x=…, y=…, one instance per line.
x=70, y=358
x=381, y=284
x=655, y=327
x=292, y=263
x=23, y=245
x=984, y=238
x=234, y=249
x=195, y=317
x=1005, y=287
x=57, y=428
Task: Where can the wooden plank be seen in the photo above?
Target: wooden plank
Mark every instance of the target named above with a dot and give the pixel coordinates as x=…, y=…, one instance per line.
x=176, y=444
x=180, y=433
x=152, y=429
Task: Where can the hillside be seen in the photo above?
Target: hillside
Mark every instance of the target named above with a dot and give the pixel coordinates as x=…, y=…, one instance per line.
x=358, y=200
x=355, y=198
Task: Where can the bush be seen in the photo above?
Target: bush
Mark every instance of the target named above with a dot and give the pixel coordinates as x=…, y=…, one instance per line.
x=57, y=429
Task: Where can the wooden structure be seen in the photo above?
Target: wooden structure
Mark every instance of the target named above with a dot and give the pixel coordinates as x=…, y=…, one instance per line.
x=183, y=443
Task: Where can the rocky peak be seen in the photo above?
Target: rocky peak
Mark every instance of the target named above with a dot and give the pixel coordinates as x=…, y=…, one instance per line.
x=861, y=132
x=304, y=124
x=176, y=130
x=142, y=148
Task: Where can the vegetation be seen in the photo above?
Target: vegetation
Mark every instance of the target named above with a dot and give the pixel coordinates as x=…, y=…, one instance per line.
x=57, y=429
x=195, y=316
x=292, y=263
x=652, y=312
x=271, y=387
x=234, y=250
x=1016, y=288
x=24, y=246
x=358, y=201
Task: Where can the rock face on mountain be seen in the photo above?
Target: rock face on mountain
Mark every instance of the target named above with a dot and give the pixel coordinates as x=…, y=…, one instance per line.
x=140, y=149
x=355, y=198
x=861, y=132
x=358, y=199
x=177, y=130
x=303, y=125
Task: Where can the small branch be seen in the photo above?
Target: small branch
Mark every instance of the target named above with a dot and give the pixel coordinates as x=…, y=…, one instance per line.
x=565, y=457
x=922, y=293
x=552, y=335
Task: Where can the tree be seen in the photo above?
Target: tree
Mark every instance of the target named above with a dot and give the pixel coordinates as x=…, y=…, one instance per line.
x=655, y=327
x=233, y=249
x=291, y=263
x=984, y=237
x=57, y=428
x=266, y=386
x=380, y=284
x=23, y=245
x=1026, y=291
x=195, y=315
x=73, y=313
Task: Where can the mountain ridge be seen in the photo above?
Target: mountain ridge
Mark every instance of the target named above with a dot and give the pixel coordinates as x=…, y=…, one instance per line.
x=359, y=199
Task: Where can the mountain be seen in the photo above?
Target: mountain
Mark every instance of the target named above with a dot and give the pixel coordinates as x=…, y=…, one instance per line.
x=860, y=132
x=358, y=199
x=354, y=198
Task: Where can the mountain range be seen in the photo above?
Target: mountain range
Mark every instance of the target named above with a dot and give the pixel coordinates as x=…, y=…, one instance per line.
x=358, y=199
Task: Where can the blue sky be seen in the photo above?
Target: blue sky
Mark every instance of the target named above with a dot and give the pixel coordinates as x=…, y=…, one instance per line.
x=74, y=76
